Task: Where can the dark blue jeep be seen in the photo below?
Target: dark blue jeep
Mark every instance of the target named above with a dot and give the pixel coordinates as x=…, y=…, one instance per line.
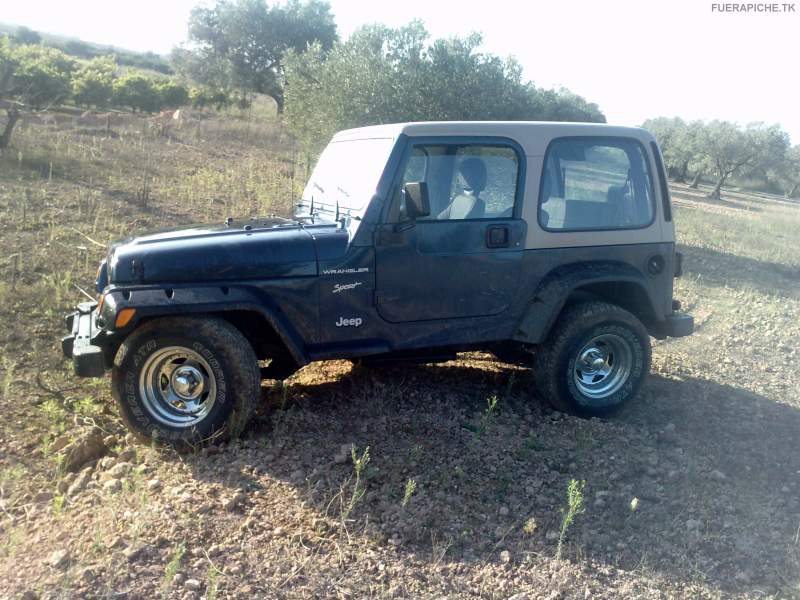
x=548, y=244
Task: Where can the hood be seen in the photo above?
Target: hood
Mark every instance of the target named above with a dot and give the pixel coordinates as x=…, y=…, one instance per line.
x=237, y=250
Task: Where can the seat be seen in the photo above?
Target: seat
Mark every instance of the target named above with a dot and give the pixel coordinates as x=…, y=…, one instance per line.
x=468, y=204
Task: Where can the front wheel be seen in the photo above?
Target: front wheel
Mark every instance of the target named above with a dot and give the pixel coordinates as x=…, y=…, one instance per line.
x=595, y=361
x=185, y=380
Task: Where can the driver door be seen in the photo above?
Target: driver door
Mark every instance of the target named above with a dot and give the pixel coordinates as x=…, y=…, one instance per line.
x=449, y=265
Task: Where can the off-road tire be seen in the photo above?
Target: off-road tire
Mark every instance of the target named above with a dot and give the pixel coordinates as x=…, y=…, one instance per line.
x=555, y=361
x=228, y=355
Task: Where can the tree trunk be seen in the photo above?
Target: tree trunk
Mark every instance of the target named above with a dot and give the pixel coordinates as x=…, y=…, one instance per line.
x=682, y=172
x=696, y=180
x=790, y=193
x=13, y=117
x=715, y=193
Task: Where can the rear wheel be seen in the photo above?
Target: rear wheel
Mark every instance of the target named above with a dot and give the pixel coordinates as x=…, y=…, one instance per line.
x=186, y=380
x=595, y=361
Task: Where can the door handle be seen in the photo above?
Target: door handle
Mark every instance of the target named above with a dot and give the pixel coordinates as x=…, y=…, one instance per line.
x=498, y=236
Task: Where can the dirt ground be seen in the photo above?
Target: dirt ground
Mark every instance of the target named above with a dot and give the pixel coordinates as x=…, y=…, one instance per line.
x=692, y=492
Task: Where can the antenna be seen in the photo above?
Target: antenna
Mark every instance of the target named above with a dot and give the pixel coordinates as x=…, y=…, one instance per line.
x=337, y=209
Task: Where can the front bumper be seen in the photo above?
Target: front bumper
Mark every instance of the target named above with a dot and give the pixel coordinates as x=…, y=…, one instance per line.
x=83, y=345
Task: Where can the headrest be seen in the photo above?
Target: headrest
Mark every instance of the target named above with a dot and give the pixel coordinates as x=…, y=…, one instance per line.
x=474, y=173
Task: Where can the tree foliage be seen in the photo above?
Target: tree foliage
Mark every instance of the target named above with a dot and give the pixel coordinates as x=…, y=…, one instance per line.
x=241, y=44
x=384, y=75
x=36, y=76
x=93, y=82
x=24, y=35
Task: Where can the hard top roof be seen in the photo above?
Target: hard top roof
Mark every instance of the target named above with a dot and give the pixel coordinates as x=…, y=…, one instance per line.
x=533, y=136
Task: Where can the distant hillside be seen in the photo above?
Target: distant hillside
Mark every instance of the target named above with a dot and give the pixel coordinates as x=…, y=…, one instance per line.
x=82, y=49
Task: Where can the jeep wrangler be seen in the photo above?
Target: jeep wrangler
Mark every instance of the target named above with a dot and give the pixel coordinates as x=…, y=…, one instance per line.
x=548, y=244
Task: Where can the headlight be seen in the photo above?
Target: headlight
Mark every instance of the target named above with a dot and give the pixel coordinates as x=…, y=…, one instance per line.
x=101, y=281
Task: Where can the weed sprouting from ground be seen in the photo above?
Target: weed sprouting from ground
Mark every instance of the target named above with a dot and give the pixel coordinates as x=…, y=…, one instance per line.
x=529, y=528
x=359, y=464
x=172, y=566
x=58, y=504
x=411, y=487
x=574, y=508
x=488, y=414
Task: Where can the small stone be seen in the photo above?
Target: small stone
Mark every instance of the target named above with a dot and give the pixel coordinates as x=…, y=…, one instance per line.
x=297, y=476
x=178, y=579
x=692, y=524
x=346, y=449
x=551, y=535
x=599, y=503
x=110, y=441
x=62, y=486
x=133, y=552
x=520, y=596
x=85, y=449
x=192, y=584
x=106, y=463
x=127, y=455
x=29, y=595
x=130, y=439
x=718, y=475
x=154, y=485
x=59, y=559
x=234, y=501
x=59, y=443
x=80, y=483
x=340, y=459
x=503, y=511
x=505, y=556
x=119, y=470
x=86, y=574
x=112, y=485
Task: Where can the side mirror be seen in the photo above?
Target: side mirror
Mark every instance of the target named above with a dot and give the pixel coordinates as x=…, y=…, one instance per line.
x=416, y=201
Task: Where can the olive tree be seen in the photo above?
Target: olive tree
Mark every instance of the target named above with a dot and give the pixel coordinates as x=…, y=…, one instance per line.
x=678, y=142
x=786, y=174
x=93, y=82
x=31, y=78
x=726, y=150
x=137, y=92
x=241, y=44
x=384, y=75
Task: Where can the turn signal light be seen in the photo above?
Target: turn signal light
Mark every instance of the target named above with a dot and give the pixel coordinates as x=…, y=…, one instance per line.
x=124, y=317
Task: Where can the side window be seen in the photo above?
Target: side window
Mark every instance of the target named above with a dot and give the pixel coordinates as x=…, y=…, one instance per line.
x=595, y=184
x=468, y=181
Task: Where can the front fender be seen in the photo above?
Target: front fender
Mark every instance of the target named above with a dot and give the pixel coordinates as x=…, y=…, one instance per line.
x=557, y=286
x=152, y=302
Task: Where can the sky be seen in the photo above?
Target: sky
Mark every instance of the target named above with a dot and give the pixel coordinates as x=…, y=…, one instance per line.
x=635, y=59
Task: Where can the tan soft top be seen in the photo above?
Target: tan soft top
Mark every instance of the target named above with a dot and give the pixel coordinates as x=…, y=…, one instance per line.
x=533, y=136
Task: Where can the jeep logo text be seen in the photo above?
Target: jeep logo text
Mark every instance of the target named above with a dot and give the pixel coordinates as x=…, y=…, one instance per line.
x=354, y=322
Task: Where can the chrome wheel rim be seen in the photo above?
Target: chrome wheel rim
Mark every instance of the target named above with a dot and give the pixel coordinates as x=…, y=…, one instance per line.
x=177, y=386
x=602, y=366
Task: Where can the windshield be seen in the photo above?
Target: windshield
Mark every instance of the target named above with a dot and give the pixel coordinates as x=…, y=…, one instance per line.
x=347, y=173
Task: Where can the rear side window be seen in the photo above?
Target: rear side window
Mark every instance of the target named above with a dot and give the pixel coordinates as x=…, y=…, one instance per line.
x=595, y=184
